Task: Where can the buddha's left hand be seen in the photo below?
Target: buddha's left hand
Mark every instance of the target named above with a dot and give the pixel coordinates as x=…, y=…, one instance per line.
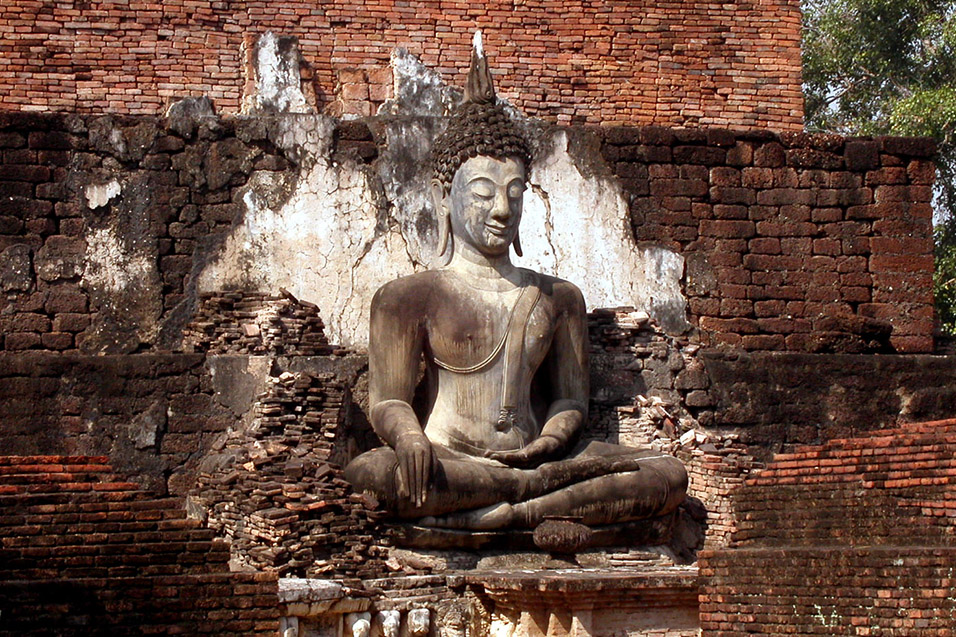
x=538, y=451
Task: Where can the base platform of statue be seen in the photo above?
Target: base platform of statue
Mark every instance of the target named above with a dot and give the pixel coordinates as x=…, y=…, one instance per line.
x=591, y=602
x=526, y=597
x=655, y=531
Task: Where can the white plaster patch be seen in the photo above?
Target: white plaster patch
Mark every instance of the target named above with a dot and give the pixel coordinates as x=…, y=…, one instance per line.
x=278, y=79
x=330, y=242
x=327, y=244
x=98, y=195
x=110, y=266
x=577, y=228
x=418, y=90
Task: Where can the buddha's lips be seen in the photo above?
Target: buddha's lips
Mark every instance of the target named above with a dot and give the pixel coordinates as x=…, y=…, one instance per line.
x=500, y=231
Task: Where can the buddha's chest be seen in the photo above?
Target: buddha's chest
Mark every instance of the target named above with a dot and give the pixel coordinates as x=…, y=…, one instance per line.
x=474, y=331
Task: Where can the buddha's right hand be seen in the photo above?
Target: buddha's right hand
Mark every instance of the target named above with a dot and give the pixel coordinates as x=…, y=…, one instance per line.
x=415, y=459
x=540, y=449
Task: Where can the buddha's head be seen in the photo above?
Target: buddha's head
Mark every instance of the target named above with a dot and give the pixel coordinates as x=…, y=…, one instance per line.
x=480, y=163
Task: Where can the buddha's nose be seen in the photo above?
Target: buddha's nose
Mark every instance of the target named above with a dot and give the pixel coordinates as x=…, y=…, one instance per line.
x=501, y=208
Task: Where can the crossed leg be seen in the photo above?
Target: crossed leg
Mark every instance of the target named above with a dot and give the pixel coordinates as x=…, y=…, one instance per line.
x=601, y=483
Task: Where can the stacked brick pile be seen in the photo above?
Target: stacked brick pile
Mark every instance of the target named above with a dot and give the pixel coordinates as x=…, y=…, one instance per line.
x=672, y=63
x=277, y=493
x=256, y=323
x=631, y=357
x=82, y=552
x=799, y=242
x=853, y=537
x=714, y=474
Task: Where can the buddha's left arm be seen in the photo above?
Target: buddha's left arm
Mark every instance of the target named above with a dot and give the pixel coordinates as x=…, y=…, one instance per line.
x=568, y=367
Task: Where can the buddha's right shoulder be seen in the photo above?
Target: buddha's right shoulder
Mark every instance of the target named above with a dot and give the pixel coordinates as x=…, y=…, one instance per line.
x=411, y=289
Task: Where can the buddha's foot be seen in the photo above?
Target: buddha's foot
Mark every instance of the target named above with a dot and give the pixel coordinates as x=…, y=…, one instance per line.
x=556, y=475
x=496, y=516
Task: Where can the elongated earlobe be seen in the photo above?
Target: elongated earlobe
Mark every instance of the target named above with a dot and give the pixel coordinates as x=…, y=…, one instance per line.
x=443, y=215
x=443, y=232
x=517, y=244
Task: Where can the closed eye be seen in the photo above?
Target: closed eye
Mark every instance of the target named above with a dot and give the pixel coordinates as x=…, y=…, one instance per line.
x=483, y=188
x=516, y=189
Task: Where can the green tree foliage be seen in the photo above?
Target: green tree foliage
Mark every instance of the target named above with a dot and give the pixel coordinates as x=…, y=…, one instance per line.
x=888, y=67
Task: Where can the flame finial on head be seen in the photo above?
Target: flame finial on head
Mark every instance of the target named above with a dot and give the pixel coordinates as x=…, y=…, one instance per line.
x=480, y=125
x=479, y=88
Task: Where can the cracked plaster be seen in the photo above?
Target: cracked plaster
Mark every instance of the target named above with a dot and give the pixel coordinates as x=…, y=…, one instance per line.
x=338, y=230
x=577, y=227
x=334, y=242
x=329, y=243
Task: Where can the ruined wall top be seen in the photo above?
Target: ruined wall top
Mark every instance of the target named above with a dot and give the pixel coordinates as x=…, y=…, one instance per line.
x=658, y=62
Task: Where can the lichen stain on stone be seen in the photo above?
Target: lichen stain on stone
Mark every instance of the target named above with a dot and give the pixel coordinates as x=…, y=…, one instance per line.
x=419, y=91
x=109, y=265
x=404, y=169
x=277, y=78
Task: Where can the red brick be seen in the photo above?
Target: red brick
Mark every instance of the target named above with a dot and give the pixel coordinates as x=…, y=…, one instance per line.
x=731, y=195
x=727, y=228
x=21, y=340
x=921, y=172
x=826, y=246
x=770, y=155
x=915, y=194
x=757, y=178
x=765, y=245
x=784, y=196
x=772, y=262
x=724, y=176
x=901, y=263
x=773, y=308
x=735, y=325
x=763, y=342
x=57, y=340
x=786, y=229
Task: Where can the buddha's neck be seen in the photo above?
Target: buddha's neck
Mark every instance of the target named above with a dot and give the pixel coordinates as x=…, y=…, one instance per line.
x=473, y=264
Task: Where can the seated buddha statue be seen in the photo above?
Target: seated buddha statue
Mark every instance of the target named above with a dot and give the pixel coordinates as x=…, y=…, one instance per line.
x=505, y=353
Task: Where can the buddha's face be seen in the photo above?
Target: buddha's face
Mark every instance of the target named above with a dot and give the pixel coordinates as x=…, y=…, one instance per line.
x=485, y=203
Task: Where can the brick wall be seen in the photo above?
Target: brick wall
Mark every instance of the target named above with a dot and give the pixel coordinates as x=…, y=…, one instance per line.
x=669, y=63
x=780, y=398
x=276, y=491
x=84, y=553
x=793, y=241
x=851, y=537
x=153, y=414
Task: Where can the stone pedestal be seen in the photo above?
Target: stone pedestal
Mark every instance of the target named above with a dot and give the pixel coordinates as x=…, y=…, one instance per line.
x=593, y=603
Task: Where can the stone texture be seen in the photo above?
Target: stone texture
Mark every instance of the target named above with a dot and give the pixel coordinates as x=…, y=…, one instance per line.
x=261, y=203
x=16, y=269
